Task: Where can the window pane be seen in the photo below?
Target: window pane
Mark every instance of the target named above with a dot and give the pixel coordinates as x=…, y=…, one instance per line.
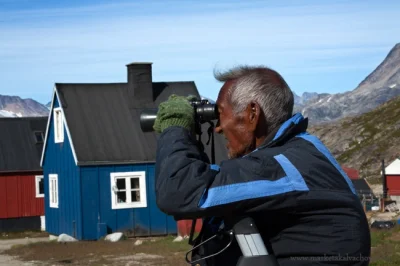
x=54, y=190
x=134, y=182
x=58, y=123
x=135, y=196
x=41, y=186
x=121, y=183
x=121, y=197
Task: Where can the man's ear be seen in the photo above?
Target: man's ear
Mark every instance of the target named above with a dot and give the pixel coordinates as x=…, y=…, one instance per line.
x=253, y=111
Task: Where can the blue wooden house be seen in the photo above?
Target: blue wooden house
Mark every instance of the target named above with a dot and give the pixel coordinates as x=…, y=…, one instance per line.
x=98, y=165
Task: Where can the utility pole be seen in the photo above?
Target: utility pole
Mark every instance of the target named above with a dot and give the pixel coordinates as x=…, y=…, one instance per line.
x=384, y=185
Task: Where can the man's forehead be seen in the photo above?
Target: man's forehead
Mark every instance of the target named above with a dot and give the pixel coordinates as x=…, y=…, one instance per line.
x=223, y=93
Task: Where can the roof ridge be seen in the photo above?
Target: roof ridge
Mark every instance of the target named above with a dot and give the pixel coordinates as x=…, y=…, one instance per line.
x=121, y=83
x=189, y=81
x=24, y=117
x=90, y=83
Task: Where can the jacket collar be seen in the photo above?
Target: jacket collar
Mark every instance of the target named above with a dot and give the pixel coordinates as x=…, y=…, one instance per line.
x=290, y=128
x=295, y=120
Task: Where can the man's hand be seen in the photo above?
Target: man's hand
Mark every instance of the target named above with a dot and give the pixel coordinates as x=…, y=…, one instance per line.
x=177, y=111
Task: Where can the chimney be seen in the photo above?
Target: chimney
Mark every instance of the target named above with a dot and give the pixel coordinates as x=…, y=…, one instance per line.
x=140, y=83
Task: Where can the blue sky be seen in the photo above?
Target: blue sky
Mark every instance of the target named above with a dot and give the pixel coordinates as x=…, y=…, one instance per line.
x=318, y=46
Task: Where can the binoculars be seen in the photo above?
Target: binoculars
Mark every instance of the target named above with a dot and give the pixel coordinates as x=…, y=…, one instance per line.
x=204, y=111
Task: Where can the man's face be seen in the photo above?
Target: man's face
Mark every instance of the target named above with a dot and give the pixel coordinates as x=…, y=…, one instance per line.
x=234, y=127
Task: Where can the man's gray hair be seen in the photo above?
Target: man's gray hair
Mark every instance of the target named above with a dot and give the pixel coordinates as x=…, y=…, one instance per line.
x=262, y=85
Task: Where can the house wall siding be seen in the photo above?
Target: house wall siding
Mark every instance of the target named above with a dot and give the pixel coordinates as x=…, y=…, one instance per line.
x=97, y=207
x=393, y=184
x=59, y=160
x=18, y=196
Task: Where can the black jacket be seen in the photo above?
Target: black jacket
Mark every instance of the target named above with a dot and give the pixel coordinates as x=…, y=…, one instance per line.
x=303, y=203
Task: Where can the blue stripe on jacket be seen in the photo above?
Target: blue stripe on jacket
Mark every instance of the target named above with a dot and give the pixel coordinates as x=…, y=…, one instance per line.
x=324, y=150
x=293, y=181
x=214, y=167
x=296, y=118
x=297, y=180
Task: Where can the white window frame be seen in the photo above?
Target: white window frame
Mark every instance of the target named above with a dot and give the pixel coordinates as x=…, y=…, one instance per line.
x=53, y=190
x=58, y=125
x=37, y=188
x=142, y=189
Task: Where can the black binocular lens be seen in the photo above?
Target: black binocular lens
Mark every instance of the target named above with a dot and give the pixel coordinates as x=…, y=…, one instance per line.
x=204, y=111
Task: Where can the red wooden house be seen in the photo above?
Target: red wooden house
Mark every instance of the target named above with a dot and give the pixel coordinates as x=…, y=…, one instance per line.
x=392, y=174
x=21, y=177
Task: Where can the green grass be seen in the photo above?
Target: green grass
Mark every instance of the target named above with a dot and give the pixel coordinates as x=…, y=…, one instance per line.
x=166, y=243
x=388, y=253
x=385, y=246
x=379, y=237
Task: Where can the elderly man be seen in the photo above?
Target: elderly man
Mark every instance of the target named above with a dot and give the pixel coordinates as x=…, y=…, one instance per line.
x=302, y=202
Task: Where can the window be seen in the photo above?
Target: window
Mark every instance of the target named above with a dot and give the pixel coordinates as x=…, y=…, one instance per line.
x=58, y=126
x=39, y=186
x=39, y=136
x=128, y=190
x=53, y=190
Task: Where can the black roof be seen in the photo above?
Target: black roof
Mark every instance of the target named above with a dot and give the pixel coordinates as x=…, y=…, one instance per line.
x=362, y=187
x=103, y=121
x=20, y=150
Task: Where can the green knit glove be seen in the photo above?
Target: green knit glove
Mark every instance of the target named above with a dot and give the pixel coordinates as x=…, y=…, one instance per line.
x=177, y=111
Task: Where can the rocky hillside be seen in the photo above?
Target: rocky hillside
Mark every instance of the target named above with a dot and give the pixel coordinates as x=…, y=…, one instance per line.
x=380, y=86
x=14, y=106
x=362, y=141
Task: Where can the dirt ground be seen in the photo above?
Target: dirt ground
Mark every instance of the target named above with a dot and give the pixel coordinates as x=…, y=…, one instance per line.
x=24, y=234
x=153, y=251
x=5, y=244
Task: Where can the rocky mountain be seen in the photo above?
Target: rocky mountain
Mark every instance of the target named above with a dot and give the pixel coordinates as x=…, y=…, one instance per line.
x=380, y=86
x=362, y=141
x=14, y=106
x=307, y=99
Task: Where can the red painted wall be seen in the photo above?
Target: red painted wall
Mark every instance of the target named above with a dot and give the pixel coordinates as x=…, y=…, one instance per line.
x=18, y=196
x=185, y=226
x=393, y=185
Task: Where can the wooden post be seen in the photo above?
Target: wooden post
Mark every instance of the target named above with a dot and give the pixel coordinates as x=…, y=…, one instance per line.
x=383, y=204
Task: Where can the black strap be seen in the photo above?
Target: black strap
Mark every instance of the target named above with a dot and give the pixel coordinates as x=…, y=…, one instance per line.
x=210, y=132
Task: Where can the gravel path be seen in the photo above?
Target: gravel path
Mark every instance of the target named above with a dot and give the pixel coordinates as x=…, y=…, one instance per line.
x=7, y=244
